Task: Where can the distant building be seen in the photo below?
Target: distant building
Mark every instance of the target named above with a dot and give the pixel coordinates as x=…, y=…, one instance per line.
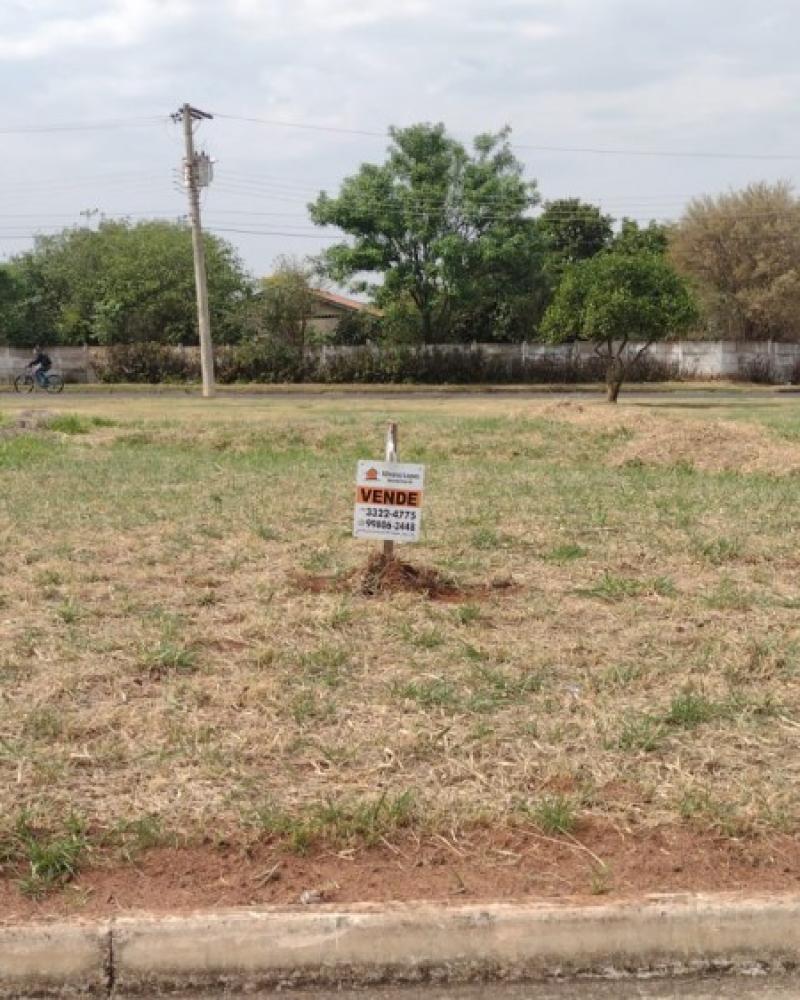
x=330, y=308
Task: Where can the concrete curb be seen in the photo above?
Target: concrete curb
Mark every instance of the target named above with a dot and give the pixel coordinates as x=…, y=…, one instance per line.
x=247, y=949
x=55, y=959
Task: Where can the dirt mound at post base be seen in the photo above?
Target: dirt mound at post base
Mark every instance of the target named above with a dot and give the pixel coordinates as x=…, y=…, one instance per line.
x=392, y=576
x=382, y=577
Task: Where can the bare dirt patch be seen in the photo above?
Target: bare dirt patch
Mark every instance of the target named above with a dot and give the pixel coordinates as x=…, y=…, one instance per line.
x=600, y=862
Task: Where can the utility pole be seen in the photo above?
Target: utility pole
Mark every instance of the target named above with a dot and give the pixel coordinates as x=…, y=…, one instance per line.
x=193, y=166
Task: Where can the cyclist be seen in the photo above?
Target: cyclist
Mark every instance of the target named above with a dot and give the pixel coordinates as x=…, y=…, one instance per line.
x=41, y=365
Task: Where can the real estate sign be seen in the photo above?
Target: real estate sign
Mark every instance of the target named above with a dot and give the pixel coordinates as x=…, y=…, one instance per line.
x=388, y=501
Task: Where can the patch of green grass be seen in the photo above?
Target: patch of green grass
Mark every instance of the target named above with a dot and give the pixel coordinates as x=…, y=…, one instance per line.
x=467, y=614
x=53, y=859
x=700, y=806
x=485, y=538
x=69, y=612
x=640, y=732
x=169, y=656
x=307, y=706
x=566, y=553
x=663, y=586
x=319, y=560
x=339, y=823
x=553, y=814
x=134, y=836
x=327, y=664
x=718, y=550
x=26, y=451
x=341, y=616
x=48, y=578
x=614, y=588
x=69, y=423
x=45, y=723
x=494, y=688
x=424, y=638
x=433, y=693
x=690, y=709
x=728, y=595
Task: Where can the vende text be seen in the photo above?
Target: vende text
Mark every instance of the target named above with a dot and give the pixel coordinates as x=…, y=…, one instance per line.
x=389, y=498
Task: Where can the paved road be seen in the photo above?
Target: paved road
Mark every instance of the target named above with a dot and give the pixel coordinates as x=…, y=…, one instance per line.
x=728, y=988
x=721, y=396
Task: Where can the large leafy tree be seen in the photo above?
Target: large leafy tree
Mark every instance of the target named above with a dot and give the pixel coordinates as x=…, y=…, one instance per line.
x=120, y=283
x=282, y=306
x=742, y=250
x=633, y=238
x=614, y=299
x=12, y=318
x=573, y=230
x=442, y=235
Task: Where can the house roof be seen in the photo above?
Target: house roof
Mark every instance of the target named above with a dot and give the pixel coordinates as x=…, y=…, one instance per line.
x=353, y=305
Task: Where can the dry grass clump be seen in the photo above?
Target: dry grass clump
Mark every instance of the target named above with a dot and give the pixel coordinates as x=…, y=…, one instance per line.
x=711, y=445
x=652, y=438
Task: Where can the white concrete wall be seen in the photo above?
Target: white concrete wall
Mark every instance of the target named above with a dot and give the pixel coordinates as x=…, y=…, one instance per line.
x=694, y=359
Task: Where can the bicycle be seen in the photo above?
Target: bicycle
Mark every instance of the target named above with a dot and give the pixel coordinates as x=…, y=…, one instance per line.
x=26, y=382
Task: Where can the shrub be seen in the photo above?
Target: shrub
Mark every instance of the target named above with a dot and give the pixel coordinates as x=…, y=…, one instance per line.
x=266, y=359
x=146, y=362
x=262, y=360
x=759, y=368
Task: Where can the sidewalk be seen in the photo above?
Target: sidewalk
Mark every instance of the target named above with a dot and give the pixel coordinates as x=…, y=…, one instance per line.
x=259, y=948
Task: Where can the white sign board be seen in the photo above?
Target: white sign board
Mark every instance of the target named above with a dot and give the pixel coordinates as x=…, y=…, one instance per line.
x=388, y=501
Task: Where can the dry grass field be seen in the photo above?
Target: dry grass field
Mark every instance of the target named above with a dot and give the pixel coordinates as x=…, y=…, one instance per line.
x=186, y=653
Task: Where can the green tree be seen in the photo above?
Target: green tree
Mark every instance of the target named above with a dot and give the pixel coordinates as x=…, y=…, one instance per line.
x=443, y=229
x=12, y=297
x=573, y=230
x=633, y=238
x=282, y=306
x=614, y=299
x=125, y=282
x=742, y=250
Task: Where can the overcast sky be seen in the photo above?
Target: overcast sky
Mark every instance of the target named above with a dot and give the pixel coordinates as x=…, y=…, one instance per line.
x=671, y=76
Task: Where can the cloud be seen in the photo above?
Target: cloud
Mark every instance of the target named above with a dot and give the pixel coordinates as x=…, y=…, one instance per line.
x=658, y=74
x=289, y=16
x=126, y=24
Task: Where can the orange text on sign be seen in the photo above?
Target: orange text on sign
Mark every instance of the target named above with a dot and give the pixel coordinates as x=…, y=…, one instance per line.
x=388, y=498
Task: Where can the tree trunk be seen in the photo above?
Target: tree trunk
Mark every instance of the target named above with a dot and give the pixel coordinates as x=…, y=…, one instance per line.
x=615, y=373
x=427, y=324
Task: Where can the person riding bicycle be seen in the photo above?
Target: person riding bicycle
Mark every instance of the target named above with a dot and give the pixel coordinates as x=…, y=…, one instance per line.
x=41, y=365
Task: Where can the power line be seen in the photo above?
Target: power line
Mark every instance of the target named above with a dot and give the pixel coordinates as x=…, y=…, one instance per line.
x=302, y=125
x=542, y=148
x=270, y=232
x=83, y=126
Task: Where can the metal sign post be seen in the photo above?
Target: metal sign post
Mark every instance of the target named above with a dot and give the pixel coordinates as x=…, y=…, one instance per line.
x=391, y=456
